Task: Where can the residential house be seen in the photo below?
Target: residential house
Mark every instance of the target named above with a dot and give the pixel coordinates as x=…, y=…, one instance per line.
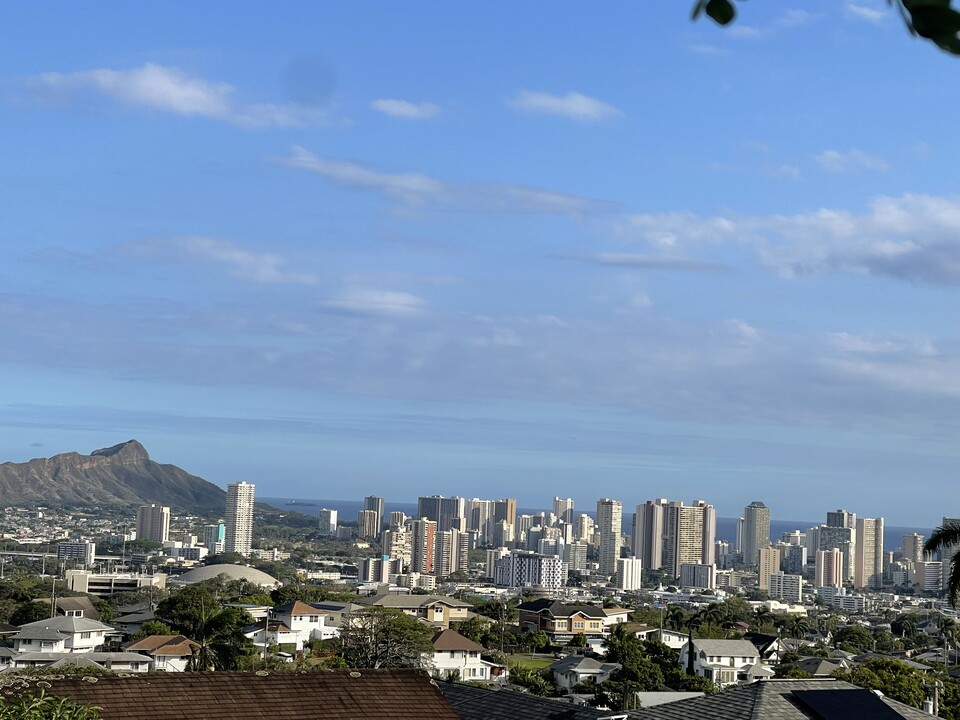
x=770, y=647
x=725, y=662
x=272, y=632
x=561, y=622
x=457, y=656
x=305, y=622
x=437, y=610
x=167, y=653
x=79, y=635
x=113, y=661
x=575, y=670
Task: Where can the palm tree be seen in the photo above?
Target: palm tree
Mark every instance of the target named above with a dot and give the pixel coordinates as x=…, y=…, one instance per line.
x=676, y=617
x=220, y=642
x=947, y=538
x=762, y=616
x=798, y=627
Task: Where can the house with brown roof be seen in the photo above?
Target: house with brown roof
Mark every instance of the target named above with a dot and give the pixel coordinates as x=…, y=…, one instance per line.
x=456, y=656
x=167, y=653
x=561, y=622
x=317, y=695
x=437, y=610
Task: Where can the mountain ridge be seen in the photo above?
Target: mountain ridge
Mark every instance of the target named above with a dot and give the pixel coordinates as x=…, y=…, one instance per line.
x=122, y=474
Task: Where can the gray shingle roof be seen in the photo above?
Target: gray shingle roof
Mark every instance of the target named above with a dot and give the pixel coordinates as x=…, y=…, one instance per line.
x=761, y=700
x=472, y=703
x=734, y=648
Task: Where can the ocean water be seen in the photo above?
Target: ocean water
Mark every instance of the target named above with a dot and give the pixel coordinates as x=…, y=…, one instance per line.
x=726, y=527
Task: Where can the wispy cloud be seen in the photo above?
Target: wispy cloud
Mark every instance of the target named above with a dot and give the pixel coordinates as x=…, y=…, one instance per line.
x=367, y=301
x=851, y=161
x=170, y=90
x=866, y=12
x=267, y=268
x=912, y=237
x=573, y=105
x=708, y=49
x=795, y=17
x=648, y=262
x=419, y=189
x=406, y=109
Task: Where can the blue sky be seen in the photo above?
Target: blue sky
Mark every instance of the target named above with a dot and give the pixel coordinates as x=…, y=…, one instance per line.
x=341, y=249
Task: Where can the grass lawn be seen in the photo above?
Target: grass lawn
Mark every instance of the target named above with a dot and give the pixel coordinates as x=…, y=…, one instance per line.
x=534, y=663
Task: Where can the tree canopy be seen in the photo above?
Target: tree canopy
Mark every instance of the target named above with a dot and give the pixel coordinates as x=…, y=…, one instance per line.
x=379, y=637
x=934, y=20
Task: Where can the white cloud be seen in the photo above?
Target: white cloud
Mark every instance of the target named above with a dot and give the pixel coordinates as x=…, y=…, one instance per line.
x=418, y=189
x=707, y=49
x=851, y=161
x=866, y=12
x=366, y=301
x=266, y=268
x=912, y=237
x=413, y=187
x=794, y=18
x=649, y=262
x=165, y=89
x=406, y=109
x=788, y=171
x=574, y=105
x=745, y=32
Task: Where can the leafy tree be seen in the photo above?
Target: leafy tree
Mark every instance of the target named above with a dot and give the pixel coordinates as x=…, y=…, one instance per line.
x=377, y=637
x=536, y=683
x=152, y=627
x=220, y=640
x=579, y=641
x=933, y=20
x=473, y=628
x=225, y=558
x=854, y=638
x=622, y=646
x=45, y=707
x=944, y=538
x=891, y=677
x=784, y=670
x=30, y=612
x=187, y=609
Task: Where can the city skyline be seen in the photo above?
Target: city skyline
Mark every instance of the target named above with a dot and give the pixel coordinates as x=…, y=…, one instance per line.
x=450, y=247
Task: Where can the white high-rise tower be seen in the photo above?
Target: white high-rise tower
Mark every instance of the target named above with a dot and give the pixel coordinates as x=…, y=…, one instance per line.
x=238, y=518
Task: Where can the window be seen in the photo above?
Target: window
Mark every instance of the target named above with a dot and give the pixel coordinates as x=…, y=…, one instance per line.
x=84, y=636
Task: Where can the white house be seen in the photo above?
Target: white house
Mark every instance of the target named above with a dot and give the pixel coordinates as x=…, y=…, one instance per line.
x=167, y=653
x=722, y=661
x=574, y=670
x=454, y=654
x=64, y=634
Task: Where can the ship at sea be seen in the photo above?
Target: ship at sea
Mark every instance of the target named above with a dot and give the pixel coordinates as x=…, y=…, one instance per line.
x=302, y=503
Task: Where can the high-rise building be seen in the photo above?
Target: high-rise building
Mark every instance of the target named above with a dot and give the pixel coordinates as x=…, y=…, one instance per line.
x=828, y=568
x=214, y=537
x=368, y=524
x=826, y=537
x=648, y=532
x=526, y=569
x=377, y=505
x=768, y=562
x=786, y=587
x=689, y=536
x=609, y=523
x=328, y=522
x=695, y=575
x=153, y=523
x=451, y=552
x=842, y=519
x=238, y=518
x=505, y=510
x=629, y=574
x=869, y=554
x=563, y=509
x=423, y=545
x=583, y=528
x=756, y=531
x=912, y=548
x=443, y=510
x=794, y=559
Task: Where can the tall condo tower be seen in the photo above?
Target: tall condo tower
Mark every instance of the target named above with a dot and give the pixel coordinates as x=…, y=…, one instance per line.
x=609, y=520
x=238, y=518
x=153, y=523
x=756, y=531
x=869, y=554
